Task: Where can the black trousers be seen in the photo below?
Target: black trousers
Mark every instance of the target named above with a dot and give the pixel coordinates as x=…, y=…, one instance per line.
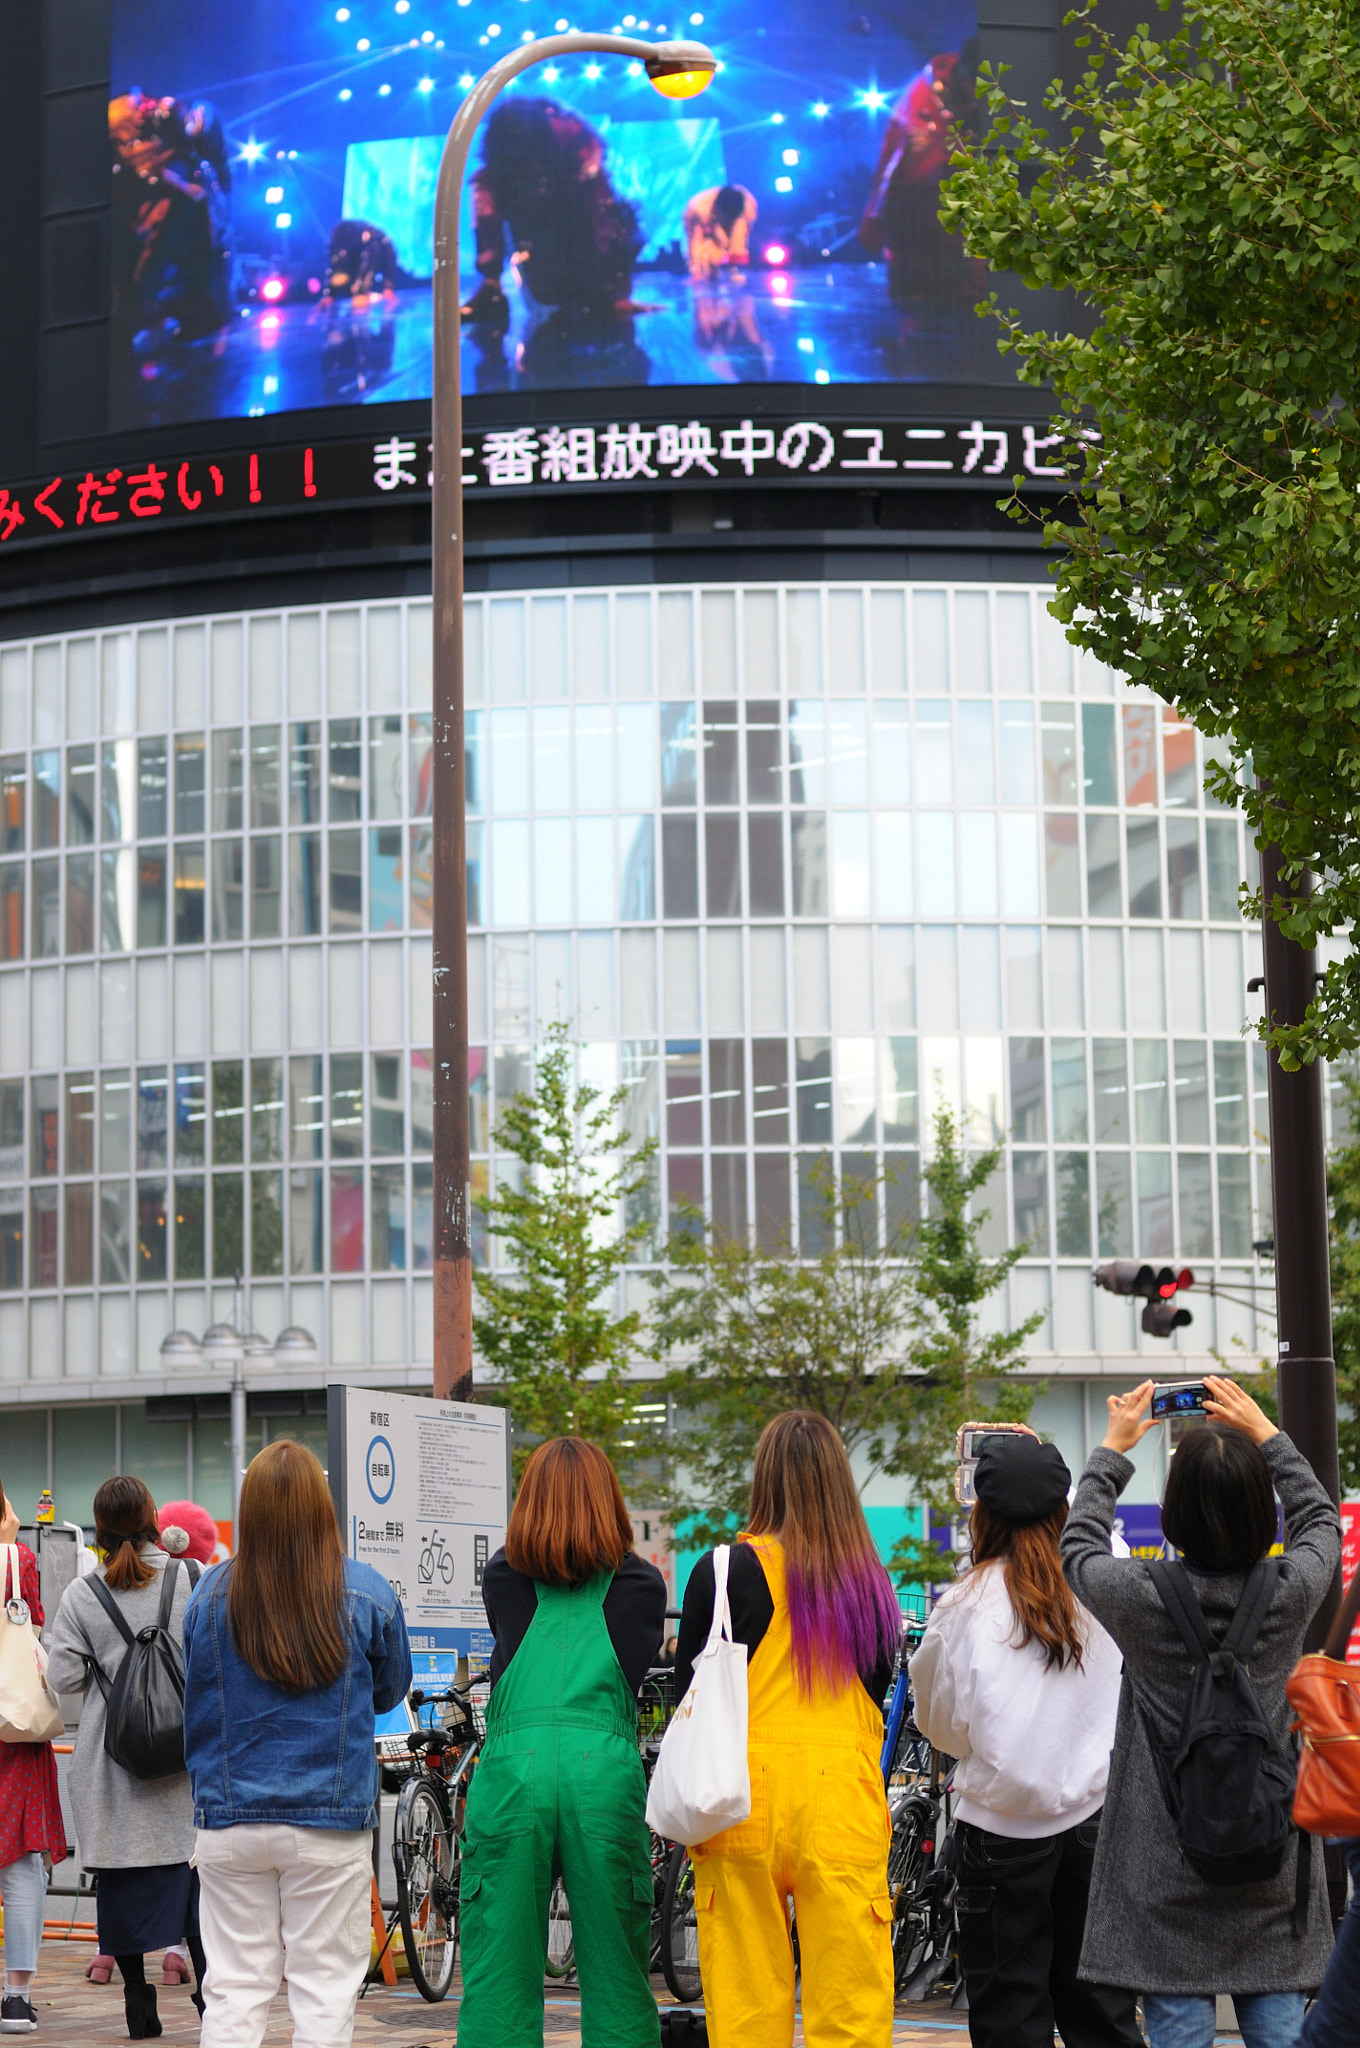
x=1022, y=1914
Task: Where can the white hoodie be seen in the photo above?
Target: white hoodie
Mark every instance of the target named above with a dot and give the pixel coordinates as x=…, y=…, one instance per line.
x=1033, y=1744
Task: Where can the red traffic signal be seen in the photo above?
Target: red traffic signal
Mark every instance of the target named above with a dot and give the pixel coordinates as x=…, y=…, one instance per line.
x=1158, y=1286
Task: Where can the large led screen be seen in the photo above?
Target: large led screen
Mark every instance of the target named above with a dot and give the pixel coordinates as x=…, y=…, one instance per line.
x=273, y=167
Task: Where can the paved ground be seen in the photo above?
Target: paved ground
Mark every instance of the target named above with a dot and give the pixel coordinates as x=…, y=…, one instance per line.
x=73, y=2013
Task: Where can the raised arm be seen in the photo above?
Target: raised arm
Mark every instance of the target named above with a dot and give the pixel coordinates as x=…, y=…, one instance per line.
x=1114, y=1589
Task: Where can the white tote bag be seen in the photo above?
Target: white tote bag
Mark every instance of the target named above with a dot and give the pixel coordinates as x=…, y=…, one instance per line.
x=29, y=1709
x=702, y=1780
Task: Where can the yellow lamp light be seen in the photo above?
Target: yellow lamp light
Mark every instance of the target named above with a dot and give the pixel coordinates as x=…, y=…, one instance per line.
x=680, y=71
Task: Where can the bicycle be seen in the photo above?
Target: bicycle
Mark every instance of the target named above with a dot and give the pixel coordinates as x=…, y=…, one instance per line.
x=427, y=1836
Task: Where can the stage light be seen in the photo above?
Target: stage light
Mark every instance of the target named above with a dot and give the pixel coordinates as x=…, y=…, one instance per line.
x=403, y=6
x=550, y=72
x=270, y=387
x=292, y=156
x=775, y=254
x=821, y=110
x=363, y=44
x=279, y=155
x=345, y=93
x=635, y=71
x=428, y=36
x=790, y=156
x=251, y=152
x=696, y=21
x=493, y=28
x=630, y=21
x=274, y=196
x=283, y=220
x=273, y=288
x=270, y=324
x=777, y=120
x=466, y=82
x=342, y=14
x=783, y=184
x=592, y=71
x=681, y=71
x=527, y=36
x=779, y=285
x=314, y=284
x=822, y=377
x=426, y=85
x=807, y=345
x=873, y=100
x=383, y=91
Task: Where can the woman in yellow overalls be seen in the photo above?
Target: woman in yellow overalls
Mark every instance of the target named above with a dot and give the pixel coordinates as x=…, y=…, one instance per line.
x=816, y=1610
x=558, y=1789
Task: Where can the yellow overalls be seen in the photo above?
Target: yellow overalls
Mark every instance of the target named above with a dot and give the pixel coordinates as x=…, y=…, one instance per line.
x=818, y=1834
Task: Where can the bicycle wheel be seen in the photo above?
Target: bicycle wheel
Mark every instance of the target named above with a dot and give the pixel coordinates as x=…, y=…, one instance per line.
x=911, y=1926
x=425, y=1852
x=561, y=1947
x=680, y=1930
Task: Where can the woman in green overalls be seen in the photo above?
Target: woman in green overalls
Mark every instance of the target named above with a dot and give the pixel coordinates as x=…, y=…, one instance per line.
x=578, y=1617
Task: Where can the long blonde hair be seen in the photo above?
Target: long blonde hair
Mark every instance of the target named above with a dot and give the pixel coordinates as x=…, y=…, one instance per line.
x=843, y=1615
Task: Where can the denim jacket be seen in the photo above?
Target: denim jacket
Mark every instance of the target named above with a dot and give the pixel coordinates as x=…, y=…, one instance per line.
x=257, y=1754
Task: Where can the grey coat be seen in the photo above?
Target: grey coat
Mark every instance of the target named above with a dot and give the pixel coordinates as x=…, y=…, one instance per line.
x=121, y=1822
x=1152, y=1924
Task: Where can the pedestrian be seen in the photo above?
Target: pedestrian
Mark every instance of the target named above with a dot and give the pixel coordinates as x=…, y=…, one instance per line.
x=187, y=1530
x=816, y=1611
x=577, y=1616
x=291, y=1651
x=1154, y=1924
x=1022, y=1686
x=136, y=1833
x=31, y=1827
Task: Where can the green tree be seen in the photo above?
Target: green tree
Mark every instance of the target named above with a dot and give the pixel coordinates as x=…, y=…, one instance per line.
x=1343, y=1188
x=882, y=1340
x=558, y=1354
x=1199, y=191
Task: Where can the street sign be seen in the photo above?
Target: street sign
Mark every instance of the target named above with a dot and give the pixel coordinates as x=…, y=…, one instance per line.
x=422, y=1489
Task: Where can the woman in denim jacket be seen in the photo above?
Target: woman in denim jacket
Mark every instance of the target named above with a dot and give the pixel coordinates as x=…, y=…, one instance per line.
x=291, y=1650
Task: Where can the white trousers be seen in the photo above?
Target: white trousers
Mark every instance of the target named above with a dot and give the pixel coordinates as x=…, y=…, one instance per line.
x=283, y=1901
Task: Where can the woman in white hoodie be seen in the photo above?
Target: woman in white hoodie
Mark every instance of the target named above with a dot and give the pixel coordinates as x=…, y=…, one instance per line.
x=1022, y=1685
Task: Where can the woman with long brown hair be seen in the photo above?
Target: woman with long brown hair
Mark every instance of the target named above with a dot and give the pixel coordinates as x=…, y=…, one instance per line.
x=1022, y=1686
x=816, y=1610
x=291, y=1650
x=577, y=1616
x=138, y=1833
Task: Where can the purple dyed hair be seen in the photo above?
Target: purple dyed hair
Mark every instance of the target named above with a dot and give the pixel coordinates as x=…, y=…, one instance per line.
x=843, y=1615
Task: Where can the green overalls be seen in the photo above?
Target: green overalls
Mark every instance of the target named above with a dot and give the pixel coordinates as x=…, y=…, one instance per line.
x=558, y=1788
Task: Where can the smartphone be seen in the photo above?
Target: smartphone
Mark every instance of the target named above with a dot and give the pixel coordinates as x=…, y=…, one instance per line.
x=1179, y=1397
x=967, y=1444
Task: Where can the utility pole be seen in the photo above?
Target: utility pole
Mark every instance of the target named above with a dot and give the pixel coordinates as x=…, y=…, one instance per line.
x=1298, y=1174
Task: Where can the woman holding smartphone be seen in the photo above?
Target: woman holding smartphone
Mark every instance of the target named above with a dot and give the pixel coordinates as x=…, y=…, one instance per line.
x=1014, y=1680
x=1154, y=1923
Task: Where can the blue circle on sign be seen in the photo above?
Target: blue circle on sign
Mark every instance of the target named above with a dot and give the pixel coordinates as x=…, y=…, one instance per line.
x=381, y=1498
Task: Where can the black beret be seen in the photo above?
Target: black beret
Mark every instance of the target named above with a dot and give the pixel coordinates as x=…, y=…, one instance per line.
x=1020, y=1479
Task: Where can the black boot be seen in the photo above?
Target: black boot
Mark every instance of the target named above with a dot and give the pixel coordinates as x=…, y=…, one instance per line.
x=139, y=2000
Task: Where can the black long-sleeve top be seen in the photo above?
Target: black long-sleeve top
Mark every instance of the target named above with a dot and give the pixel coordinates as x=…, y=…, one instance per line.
x=634, y=1613
x=748, y=1596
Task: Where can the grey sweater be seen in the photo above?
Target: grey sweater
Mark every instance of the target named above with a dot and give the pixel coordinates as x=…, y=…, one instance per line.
x=121, y=1822
x=1152, y=1924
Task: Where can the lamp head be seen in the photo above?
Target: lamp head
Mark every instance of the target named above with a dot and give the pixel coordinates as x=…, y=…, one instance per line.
x=680, y=71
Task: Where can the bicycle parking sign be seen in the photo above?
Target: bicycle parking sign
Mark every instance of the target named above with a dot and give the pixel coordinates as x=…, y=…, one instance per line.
x=422, y=1489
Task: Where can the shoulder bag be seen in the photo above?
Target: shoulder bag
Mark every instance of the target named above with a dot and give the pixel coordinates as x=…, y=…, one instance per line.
x=702, y=1780
x=1324, y=1691
x=29, y=1709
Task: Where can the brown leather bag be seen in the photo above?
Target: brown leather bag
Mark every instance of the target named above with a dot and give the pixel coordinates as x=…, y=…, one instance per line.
x=1324, y=1692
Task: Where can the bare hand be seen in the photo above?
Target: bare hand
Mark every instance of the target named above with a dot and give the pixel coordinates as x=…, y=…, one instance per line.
x=1233, y=1405
x=1129, y=1418
x=9, y=1522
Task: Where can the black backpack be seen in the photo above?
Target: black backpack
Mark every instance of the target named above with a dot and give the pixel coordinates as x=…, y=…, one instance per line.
x=1227, y=1780
x=144, y=1700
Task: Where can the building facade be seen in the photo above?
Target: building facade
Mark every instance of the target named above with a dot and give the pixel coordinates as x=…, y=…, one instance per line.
x=795, y=860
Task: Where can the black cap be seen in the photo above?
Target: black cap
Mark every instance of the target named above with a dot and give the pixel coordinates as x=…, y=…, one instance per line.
x=1020, y=1479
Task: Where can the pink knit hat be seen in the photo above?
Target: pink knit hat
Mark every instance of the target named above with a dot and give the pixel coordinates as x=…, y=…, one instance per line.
x=188, y=1530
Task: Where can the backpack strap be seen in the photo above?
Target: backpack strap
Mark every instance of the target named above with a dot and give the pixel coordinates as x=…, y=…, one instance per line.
x=1178, y=1597
x=168, y=1579
x=1252, y=1608
x=111, y=1608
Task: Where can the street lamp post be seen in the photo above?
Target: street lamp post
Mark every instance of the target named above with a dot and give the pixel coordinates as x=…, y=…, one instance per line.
x=678, y=71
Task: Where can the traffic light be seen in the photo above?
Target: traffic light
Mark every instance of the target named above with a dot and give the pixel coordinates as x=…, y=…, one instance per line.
x=1158, y=1286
